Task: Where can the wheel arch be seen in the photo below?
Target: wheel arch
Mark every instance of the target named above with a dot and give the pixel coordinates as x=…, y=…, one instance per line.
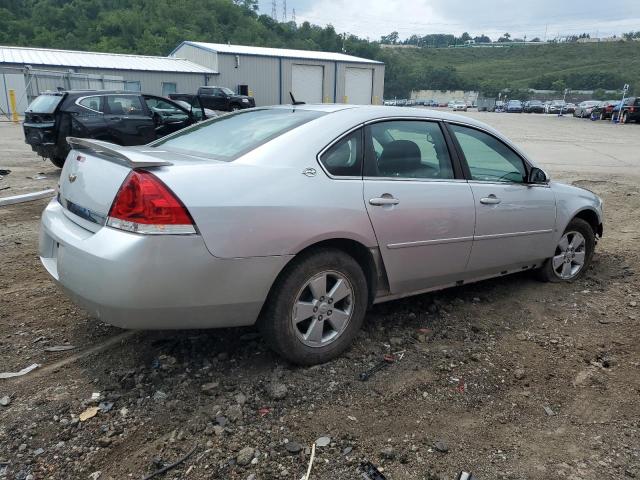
x=591, y=217
x=368, y=258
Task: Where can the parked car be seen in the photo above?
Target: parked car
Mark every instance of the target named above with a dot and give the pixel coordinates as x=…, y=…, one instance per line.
x=514, y=106
x=584, y=109
x=124, y=118
x=556, y=106
x=259, y=217
x=222, y=99
x=459, y=106
x=571, y=107
x=533, y=106
x=628, y=110
x=605, y=109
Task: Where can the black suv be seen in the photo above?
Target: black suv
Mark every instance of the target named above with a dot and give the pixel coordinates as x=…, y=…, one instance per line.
x=124, y=118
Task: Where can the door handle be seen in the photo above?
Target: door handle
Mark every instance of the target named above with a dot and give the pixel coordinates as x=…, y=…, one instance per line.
x=114, y=119
x=490, y=200
x=381, y=201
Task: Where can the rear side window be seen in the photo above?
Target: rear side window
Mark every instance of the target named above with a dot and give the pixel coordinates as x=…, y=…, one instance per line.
x=125, y=105
x=230, y=136
x=92, y=103
x=45, y=104
x=344, y=158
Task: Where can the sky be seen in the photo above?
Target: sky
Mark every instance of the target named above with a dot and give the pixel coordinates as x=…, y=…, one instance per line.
x=533, y=18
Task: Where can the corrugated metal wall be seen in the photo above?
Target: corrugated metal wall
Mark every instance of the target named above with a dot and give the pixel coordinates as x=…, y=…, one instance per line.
x=261, y=74
x=197, y=55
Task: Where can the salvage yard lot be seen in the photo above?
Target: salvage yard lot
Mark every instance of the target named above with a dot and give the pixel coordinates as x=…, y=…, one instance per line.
x=512, y=378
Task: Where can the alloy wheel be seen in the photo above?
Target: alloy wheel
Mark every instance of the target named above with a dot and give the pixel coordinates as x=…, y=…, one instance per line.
x=570, y=255
x=322, y=309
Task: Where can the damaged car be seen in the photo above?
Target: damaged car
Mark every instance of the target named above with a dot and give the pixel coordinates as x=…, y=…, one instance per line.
x=299, y=218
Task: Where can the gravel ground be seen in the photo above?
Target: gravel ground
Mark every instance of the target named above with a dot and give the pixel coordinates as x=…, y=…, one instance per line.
x=509, y=378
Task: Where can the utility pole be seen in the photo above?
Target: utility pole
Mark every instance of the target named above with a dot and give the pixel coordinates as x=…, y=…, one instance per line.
x=545, y=32
x=284, y=11
x=274, y=9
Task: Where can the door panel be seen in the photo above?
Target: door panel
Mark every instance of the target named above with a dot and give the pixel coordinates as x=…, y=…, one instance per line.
x=514, y=220
x=425, y=239
x=128, y=122
x=517, y=230
x=422, y=215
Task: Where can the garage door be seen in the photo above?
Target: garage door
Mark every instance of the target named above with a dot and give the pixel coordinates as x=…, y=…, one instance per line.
x=306, y=83
x=358, y=86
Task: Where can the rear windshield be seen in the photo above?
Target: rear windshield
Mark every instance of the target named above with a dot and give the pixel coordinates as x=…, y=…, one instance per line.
x=45, y=104
x=230, y=136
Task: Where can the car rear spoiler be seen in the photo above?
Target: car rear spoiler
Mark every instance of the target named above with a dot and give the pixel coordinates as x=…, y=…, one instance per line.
x=125, y=155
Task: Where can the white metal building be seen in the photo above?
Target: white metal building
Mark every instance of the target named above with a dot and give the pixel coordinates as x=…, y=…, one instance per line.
x=269, y=74
x=30, y=71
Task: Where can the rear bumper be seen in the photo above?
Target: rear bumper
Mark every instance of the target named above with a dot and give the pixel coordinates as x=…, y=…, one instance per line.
x=153, y=282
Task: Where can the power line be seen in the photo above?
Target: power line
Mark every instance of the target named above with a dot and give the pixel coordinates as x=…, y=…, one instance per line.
x=274, y=9
x=284, y=11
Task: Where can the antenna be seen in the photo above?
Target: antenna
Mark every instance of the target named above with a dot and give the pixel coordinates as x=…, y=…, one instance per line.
x=284, y=10
x=274, y=9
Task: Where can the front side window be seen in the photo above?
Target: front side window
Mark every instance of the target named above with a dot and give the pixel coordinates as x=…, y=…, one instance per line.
x=344, y=159
x=125, y=105
x=165, y=109
x=92, y=103
x=229, y=136
x=408, y=149
x=488, y=158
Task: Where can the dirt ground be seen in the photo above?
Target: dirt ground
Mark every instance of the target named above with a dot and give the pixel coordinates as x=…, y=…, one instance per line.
x=510, y=378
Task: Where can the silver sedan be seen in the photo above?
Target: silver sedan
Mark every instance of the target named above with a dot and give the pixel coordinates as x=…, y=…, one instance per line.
x=298, y=218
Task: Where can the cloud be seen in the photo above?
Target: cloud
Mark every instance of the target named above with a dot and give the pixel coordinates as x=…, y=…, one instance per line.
x=533, y=18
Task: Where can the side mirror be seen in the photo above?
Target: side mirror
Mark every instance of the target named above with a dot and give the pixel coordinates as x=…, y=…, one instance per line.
x=537, y=176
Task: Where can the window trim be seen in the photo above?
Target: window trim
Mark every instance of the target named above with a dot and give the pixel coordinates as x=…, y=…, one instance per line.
x=456, y=164
x=101, y=97
x=334, y=142
x=465, y=164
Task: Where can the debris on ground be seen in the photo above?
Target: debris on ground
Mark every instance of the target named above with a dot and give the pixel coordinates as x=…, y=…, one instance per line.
x=22, y=372
x=387, y=360
x=323, y=441
x=5, y=401
x=88, y=413
x=172, y=465
x=548, y=411
x=59, y=348
x=371, y=472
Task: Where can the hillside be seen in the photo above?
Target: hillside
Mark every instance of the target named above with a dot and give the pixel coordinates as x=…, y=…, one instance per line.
x=554, y=66
x=155, y=27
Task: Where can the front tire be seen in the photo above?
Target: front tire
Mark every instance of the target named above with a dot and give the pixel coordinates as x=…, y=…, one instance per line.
x=573, y=254
x=316, y=307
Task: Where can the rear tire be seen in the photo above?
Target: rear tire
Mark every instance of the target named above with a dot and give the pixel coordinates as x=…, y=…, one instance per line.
x=625, y=118
x=572, y=256
x=306, y=319
x=58, y=161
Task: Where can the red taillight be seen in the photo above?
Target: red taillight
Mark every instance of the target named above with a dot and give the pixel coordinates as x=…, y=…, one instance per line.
x=146, y=205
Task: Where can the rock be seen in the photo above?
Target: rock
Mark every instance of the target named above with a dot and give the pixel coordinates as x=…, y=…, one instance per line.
x=209, y=388
x=521, y=336
x=293, y=447
x=633, y=304
x=5, y=401
x=323, y=441
x=160, y=396
x=396, y=341
x=412, y=316
x=441, y=446
x=222, y=421
x=241, y=398
x=218, y=430
x=388, y=453
x=347, y=450
x=458, y=302
x=234, y=413
x=519, y=373
x=104, y=442
x=95, y=475
x=22, y=447
x=277, y=391
x=245, y=456
x=38, y=451
x=105, y=406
